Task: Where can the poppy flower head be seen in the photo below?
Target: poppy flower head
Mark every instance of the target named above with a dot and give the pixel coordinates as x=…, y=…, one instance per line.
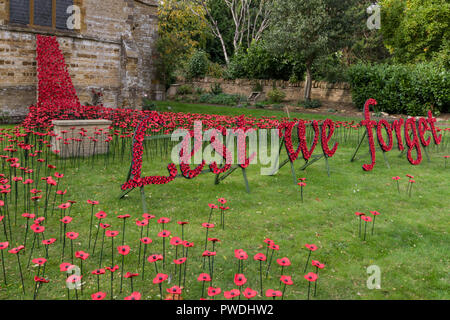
x=260, y=257
x=64, y=206
x=37, y=228
x=311, y=276
x=359, y=214
x=163, y=220
x=311, y=247
x=4, y=245
x=66, y=220
x=39, y=261
x=396, y=178
x=375, y=213
x=188, y=244
x=112, y=269
x=41, y=279
x=268, y=241
x=16, y=250
x=249, y=293
x=81, y=255
x=72, y=235
x=111, y=234
x=273, y=293
x=175, y=241
x=123, y=250
x=164, y=234
x=65, y=266
x=239, y=279
x=160, y=278
x=231, y=294
x=208, y=253
x=98, y=296
x=98, y=272
x=174, y=290
x=204, y=277
x=92, y=202
x=154, y=258
x=101, y=215
x=182, y=223
x=214, y=291
x=222, y=200
x=124, y=216
x=104, y=225
x=284, y=262
x=142, y=223
x=134, y=296
x=240, y=254
x=317, y=264
x=48, y=242
x=212, y=206
x=274, y=246
x=208, y=225
x=130, y=275
x=180, y=260
x=366, y=218
x=287, y=280
x=146, y=240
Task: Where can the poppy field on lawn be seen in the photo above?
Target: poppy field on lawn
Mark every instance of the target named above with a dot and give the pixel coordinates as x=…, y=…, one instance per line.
x=64, y=233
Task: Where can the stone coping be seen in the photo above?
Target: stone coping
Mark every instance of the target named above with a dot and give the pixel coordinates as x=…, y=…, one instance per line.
x=78, y=123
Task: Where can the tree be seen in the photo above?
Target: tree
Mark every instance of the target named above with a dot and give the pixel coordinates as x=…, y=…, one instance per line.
x=310, y=28
x=180, y=35
x=250, y=18
x=416, y=30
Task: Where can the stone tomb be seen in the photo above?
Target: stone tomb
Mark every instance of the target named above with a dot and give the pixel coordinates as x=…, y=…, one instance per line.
x=80, y=138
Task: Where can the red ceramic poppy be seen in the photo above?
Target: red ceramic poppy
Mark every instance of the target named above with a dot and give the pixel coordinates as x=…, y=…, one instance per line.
x=124, y=216
x=284, y=262
x=317, y=264
x=130, y=275
x=28, y=215
x=180, y=260
x=366, y=218
x=98, y=296
x=49, y=241
x=286, y=280
x=249, y=293
x=239, y=279
x=204, y=277
x=123, y=250
x=101, y=215
x=37, y=228
x=396, y=178
x=65, y=266
x=311, y=247
x=212, y=206
x=175, y=241
x=81, y=255
x=98, y=272
x=92, y=202
x=160, y=277
x=260, y=257
x=142, y=223
x=147, y=216
x=213, y=240
x=164, y=234
x=74, y=278
x=359, y=214
x=39, y=220
x=4, y=245
x=112, y=269
x=154, y=258
x=16, y=250
x=64, y=206
x=240, y=254
x=273, y=293
x=222, y=200
x=105, y=225
x=208, y=253
x=66, y=220
x=274, y=246
x=134, y=296
x=146, y=240
x=181, y=223
x=231, y=294
x=214, y=291
x=111, y=234
x=39, y=261
x=208, y=225
x=174, y=290
x=268, y=241
x=375, y=213
x=311, y=276
x=163, y=220
x=72, y=235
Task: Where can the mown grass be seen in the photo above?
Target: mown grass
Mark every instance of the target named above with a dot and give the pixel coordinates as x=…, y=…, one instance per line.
x=410, y=243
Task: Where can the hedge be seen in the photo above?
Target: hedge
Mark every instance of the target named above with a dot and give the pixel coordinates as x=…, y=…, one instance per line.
x=401, y=89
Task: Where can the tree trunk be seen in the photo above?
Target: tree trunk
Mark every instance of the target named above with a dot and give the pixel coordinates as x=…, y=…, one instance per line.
x=308, y=84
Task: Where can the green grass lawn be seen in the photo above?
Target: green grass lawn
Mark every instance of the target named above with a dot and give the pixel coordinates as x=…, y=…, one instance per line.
x=410, y=244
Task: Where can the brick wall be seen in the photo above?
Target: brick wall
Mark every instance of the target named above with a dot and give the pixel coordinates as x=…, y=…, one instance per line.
x=113, y=52
x=332, y=93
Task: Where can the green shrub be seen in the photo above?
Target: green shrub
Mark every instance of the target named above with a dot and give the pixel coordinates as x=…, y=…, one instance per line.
x=410, y=89
x=185, y=89
x=276, y=95
x=221, y=98
x=216, y=88
x=148, y=105
x=310, y=104
x=197, y=65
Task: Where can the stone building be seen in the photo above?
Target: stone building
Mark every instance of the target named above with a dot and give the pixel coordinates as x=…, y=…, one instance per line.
x=108, y=46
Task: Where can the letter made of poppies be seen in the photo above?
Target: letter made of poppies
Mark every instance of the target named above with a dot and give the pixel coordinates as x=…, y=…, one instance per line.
x=136, y=167
x=369, y=124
